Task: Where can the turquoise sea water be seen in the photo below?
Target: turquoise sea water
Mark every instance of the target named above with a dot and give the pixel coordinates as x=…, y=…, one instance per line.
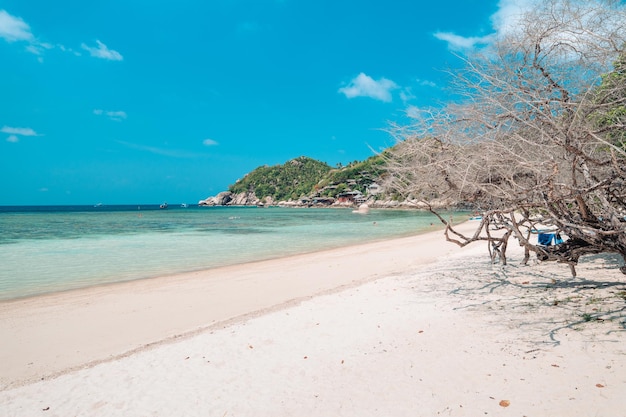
x=48, y=249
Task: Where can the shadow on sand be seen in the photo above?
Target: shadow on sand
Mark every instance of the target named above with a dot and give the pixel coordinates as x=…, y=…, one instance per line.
x=546, y=301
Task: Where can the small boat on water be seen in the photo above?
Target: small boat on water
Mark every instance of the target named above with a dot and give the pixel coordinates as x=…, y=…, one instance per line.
x=184, y=205
x=163, y=206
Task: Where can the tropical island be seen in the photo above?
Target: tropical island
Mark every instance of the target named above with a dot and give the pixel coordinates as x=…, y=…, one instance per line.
x=306, y=182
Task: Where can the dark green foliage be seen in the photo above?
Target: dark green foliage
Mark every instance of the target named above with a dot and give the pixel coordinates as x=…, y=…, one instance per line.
x=304, y=176
x=610, y=100
x=357, y=176
x=292, y=180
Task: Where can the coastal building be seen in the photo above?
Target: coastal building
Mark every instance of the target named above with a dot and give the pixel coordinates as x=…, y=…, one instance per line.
x=374, y=189
x=352, y=197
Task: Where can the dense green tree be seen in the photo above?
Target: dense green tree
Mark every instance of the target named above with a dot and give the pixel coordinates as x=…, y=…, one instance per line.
x=610, y=97
x=292, y=180
x=304, y=176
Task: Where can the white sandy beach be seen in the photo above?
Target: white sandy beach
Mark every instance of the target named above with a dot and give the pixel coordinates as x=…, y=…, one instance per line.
x=405, y=327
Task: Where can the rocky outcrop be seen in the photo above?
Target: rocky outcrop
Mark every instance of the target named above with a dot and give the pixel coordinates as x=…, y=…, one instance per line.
x=226, y=198
x=221, y=199
x=410, y=204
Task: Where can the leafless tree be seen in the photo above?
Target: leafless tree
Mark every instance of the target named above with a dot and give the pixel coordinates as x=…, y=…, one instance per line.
x=536, y=140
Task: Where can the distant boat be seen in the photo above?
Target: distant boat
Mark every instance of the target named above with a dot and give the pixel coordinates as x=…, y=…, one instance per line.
x=163, y=206
x=98, y=205
x=184, y=205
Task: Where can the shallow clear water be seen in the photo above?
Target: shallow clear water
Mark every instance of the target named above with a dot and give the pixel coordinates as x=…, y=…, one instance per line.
x=47, y=249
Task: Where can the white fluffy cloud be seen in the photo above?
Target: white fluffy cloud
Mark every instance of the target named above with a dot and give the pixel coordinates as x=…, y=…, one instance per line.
x=117, y=115
x=15, y=133
x=457, y=42
x=507, y=17
x=14, y=28
x=406, y=95
x=37, y=48
x=508, y=14
x=426, y=83
x=22, y=131
x=413, y=112
x=365, y=86
x=102, y=51
x=503, y=20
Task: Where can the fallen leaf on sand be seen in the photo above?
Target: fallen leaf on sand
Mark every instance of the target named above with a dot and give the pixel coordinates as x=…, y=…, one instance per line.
x=555, y=365
x=599, y=385
x=505, y=403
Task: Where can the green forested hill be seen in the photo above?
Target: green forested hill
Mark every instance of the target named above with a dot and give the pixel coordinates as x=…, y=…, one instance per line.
x=357, y=176
x=283, y=182
x=305, y=176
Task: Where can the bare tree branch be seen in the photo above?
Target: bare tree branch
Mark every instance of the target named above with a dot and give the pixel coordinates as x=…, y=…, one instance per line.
x=537, y=143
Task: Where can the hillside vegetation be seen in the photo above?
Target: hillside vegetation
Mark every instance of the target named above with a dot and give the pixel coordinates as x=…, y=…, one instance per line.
x=306, y=177
x=357, y=176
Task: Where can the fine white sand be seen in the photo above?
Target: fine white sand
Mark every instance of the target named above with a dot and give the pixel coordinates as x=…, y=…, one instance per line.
x=406, y=327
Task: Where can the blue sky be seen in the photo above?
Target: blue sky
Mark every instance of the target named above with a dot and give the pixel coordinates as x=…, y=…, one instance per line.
x=151, y=101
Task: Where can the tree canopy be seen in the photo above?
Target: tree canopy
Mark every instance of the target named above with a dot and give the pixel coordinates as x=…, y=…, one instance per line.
x=359, y=175
x=536, y=142
x=291, y=180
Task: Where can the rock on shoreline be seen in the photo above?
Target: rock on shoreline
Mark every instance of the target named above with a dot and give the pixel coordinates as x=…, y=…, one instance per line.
x=227, y=198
